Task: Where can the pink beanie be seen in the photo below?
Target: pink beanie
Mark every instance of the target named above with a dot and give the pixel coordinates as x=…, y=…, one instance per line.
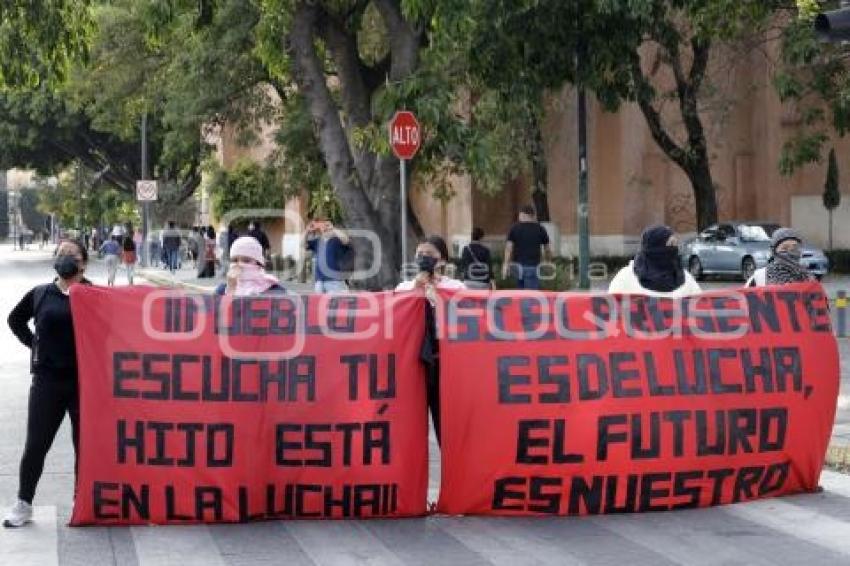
x=248, y=246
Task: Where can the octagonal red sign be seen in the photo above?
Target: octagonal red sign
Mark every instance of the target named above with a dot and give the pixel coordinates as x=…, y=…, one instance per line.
x=405, y=134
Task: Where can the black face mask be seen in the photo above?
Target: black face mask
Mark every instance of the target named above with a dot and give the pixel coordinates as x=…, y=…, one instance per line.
x=66, y=266
x=426, y=263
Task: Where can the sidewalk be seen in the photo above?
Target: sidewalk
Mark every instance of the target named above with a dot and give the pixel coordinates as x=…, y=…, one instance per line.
x=187, y=278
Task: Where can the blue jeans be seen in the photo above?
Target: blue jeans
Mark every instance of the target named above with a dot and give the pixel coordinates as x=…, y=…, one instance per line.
x=172, y=257
x=330, y=286
x=528, y=278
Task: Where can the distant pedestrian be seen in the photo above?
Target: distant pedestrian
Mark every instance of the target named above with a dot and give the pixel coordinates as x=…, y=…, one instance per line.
x=111, y=251
x=255, y=230
x=53, y=365
x=247, y=274
x=475, y=262
x=171, y=246
x=657, y=268
x=128, y=256
x=526, y=246
x=786, y=251
x=155, y=249
x=329, y=245
x=208, y=253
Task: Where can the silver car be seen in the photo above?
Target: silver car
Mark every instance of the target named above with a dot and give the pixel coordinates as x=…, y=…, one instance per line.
x=739, y=248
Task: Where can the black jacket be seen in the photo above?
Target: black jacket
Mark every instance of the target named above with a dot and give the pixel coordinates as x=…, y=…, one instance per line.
x=54, y=353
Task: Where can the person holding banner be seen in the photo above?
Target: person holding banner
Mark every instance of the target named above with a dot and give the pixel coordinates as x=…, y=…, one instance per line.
x=786, y=250
x=657, y=269
x=247, y=273
x=432, y=253
x=53, y=366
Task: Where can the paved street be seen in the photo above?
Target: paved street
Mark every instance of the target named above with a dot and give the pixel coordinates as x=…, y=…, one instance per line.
x=803, y=529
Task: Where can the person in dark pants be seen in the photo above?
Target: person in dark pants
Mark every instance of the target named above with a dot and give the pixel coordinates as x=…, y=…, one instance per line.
x=527, y=244
x=171, y=246
x=432, y=255
x=53, y=392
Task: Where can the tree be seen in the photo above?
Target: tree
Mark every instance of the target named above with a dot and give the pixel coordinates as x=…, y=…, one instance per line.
x=813, y=77
x=247, y=185
x=831, y=194
x=647, y=51
x=38, y=40
x=31, y=216
x=307, y=43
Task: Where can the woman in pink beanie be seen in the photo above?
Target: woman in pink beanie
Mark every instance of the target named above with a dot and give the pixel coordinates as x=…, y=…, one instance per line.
x=247, y=274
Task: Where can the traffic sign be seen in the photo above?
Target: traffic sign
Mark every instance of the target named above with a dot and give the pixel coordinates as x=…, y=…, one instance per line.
x=146, y=191
x=405, y=134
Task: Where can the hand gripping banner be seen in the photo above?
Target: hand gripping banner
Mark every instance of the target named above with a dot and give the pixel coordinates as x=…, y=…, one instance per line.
x=568, y=404
x=205, y=409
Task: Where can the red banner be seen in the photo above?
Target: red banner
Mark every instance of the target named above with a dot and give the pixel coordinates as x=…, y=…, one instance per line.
x=206, y=409
x=583, y=404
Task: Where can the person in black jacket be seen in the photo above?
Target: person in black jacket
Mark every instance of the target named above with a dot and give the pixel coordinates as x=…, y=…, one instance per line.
x=475, y=263
x=54, y=369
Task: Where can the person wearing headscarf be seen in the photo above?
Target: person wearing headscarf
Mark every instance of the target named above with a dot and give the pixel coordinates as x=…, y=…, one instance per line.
x=657, y=268
x=247, y=273
x=786, y=249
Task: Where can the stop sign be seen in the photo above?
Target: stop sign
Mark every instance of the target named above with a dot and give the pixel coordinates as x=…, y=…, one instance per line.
x=405, y=134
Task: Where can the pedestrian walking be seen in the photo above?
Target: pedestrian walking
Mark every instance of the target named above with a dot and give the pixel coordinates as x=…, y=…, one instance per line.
x=247, y=273
x=783, y=267
x=526, y=246
x=128, y=256
x=657, y=268
x=330, y=247
x=432, y=255
x=111, y=251
x=54, y=391
x=475, y=263
x=171, y=246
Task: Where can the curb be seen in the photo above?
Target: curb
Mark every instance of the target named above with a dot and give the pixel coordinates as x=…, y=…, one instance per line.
x=174, y=283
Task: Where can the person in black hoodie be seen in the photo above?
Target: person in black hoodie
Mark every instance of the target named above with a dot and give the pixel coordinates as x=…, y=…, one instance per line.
x=54, y=369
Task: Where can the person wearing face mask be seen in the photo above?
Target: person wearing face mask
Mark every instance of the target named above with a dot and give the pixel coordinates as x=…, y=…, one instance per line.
x=657, y=268
x=431, y=256
x=786, y=248
x=53, y=364
x=247, y=273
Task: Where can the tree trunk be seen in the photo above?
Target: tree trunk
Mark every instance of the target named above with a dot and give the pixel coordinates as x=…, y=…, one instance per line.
x=705, y=195
x=336, y=151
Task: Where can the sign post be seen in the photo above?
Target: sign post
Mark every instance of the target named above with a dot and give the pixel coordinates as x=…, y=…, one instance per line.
x=405, y=139
x=146, y=192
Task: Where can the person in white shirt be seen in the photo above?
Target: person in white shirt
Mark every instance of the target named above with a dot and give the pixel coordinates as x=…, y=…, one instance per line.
x=432, y=253
x=657, y=268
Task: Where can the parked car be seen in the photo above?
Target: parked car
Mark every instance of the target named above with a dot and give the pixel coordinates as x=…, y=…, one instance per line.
x=738, y=249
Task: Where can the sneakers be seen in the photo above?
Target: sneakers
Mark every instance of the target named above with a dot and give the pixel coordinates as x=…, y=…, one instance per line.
x=19, y=515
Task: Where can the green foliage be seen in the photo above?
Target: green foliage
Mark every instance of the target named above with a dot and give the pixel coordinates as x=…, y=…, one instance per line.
x=831, y=194
x=813, y=76
x=247, y=185
x=39, y=39
x=74, y=194
x=31, y=216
